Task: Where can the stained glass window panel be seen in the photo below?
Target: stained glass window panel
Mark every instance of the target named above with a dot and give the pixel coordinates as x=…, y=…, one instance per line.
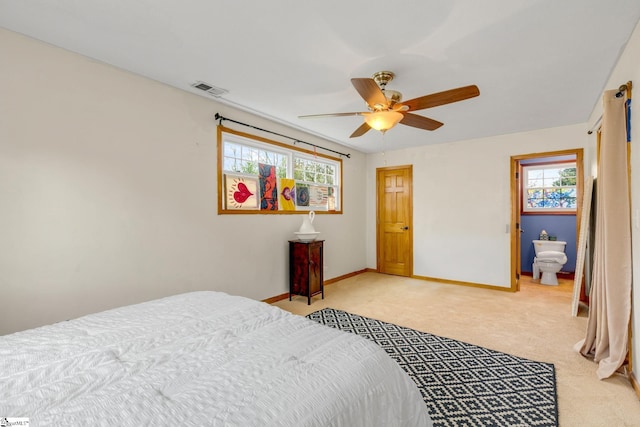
x=550, y=187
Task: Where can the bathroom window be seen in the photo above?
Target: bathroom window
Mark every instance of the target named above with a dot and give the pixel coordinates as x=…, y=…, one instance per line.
x=549, y=188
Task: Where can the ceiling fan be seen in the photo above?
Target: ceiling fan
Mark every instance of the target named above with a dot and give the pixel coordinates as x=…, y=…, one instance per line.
x=386, y=110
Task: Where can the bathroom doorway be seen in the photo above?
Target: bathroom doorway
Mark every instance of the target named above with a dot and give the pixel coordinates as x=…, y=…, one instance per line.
x=527, y=223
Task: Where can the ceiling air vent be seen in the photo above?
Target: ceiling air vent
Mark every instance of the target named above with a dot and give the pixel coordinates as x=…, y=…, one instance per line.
x=211, y=90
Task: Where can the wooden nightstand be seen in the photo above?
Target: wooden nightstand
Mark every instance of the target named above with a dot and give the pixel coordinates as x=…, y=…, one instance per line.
x=306, y=275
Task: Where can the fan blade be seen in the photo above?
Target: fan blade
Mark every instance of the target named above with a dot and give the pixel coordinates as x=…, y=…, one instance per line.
x=312, y=116
x=420, y=122
x=364, y=128
x=370, y=92
x=442, y=98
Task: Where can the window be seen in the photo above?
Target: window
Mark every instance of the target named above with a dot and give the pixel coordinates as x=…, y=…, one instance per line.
x=245, y=159
x=257, y=175
x=549, y=188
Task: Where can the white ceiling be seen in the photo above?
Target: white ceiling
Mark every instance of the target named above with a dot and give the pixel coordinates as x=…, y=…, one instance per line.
x=538, y=63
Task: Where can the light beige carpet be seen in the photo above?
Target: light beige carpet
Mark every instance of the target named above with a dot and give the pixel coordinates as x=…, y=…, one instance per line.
x=535, y=323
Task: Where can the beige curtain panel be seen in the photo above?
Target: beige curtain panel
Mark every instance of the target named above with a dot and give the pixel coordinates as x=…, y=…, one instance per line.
x=610, y=296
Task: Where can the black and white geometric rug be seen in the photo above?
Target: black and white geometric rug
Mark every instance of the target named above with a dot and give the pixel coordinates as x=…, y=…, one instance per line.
x=462, y=384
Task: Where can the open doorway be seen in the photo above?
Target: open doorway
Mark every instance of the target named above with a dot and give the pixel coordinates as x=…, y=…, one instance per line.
x=544, y=197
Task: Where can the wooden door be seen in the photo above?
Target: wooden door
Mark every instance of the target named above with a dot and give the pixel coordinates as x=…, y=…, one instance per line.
x=394, y=220
x=516, y=186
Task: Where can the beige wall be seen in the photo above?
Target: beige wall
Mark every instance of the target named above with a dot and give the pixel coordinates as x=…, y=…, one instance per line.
x=108, y=194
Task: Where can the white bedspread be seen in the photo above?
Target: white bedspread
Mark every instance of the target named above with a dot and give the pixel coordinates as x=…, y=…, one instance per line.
x=202, y=359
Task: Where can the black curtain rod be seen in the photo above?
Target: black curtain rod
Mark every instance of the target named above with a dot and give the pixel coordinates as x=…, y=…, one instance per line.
x=295, y=140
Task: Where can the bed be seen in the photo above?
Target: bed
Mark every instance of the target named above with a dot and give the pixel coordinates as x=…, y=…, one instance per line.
x=202, y=359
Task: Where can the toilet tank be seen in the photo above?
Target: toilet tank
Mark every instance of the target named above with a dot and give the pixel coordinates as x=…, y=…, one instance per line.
x=549, y=245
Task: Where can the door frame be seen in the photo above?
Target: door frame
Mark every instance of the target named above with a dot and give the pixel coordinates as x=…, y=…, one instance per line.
x=516, y=199
x=409, y=168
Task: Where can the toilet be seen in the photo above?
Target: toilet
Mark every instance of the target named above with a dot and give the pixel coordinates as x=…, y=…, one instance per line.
x=550, y=258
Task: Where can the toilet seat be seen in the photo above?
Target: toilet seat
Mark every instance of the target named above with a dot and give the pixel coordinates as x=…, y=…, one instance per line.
x=551, y=256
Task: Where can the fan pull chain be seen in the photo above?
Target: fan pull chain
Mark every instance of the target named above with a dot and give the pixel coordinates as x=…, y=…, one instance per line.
x=384, y=157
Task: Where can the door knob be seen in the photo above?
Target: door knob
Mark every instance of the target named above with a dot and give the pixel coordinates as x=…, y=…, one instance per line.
x=406, y=227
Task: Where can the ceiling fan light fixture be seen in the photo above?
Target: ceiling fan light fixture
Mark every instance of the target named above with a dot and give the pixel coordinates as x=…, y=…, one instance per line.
x=386, y=108
x=383, y=120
